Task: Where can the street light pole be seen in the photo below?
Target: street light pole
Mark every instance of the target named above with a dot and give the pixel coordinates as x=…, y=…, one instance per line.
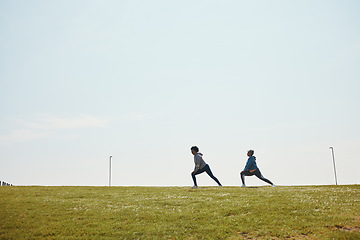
x=110, y=172
x=332, y=150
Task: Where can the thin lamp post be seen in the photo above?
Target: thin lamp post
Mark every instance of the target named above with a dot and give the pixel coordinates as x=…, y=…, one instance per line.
x=110, y=172
x=332, y=150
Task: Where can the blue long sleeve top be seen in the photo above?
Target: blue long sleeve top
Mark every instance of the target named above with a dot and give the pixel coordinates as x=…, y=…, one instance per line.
x=251, y=164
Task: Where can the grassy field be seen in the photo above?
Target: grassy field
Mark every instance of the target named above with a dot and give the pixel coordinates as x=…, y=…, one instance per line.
x=315, y=212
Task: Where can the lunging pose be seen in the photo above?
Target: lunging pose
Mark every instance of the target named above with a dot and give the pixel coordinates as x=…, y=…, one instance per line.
x=252, y=169
x=201, y=166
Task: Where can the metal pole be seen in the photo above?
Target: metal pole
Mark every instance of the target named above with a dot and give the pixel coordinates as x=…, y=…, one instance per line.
x=332, y=150
x=110, y=172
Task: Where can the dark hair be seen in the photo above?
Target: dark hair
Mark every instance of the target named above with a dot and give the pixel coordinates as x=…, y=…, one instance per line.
x=195, y=148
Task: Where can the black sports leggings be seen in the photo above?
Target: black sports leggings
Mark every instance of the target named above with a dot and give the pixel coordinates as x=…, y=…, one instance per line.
x=208, y=171
x=256, y=173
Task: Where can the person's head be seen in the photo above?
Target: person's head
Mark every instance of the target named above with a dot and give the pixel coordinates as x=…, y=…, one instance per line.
x=194, y=150
x=250, y=153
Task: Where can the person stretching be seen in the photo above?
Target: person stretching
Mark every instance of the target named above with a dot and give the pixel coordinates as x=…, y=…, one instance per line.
x=201, y=166
x=252, y=169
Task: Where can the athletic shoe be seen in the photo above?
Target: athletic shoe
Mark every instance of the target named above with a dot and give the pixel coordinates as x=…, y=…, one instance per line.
x=194, y=187
x=220, y=185
x=243, y=185
x=273, y=185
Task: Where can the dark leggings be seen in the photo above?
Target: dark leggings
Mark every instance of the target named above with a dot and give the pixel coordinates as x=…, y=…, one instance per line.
x=256, y=173
x=208, y=171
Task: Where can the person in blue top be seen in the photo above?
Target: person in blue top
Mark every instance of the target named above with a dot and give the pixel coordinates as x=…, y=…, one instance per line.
x=252, y=169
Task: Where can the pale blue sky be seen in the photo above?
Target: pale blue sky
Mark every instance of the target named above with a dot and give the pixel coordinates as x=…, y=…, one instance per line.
x=145, y=80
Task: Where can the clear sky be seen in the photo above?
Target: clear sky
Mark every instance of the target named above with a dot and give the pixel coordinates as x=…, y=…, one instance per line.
x=144, y=81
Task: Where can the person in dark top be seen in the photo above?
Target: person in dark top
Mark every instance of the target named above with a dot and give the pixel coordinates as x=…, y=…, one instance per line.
x=252, y=169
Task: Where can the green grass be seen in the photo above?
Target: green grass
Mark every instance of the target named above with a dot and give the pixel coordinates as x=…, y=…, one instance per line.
x=315, y=212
